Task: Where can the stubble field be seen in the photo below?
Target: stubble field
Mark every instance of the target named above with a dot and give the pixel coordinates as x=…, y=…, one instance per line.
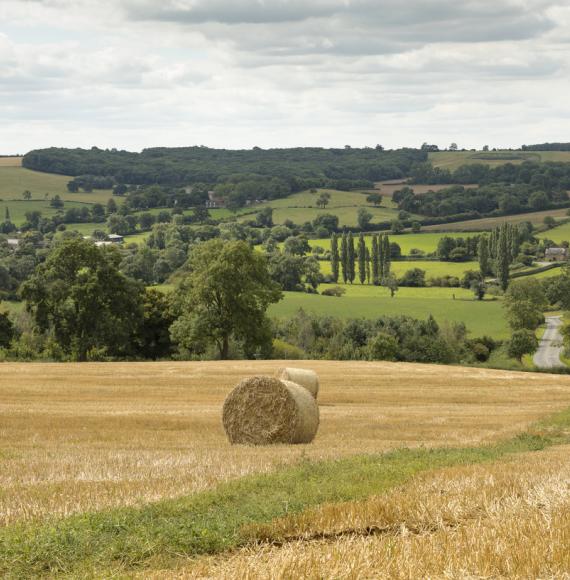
x=82, y=437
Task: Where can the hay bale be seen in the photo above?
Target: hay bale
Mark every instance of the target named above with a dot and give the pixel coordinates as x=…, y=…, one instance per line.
x=265, y=411
x=304, y=377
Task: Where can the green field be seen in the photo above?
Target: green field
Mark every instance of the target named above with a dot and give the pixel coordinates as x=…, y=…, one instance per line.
x=558, y=234
x=427, y=242
x=485, y=317
x=19, y=208
x=302, y=207
x=453, y=159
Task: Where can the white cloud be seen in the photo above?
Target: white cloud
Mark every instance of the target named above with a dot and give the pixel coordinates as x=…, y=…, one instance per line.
x=136, y=73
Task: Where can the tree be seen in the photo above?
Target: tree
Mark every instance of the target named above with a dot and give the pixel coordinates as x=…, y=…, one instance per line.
x=503, y=254
x=351, y=258
x=7, y=214
x=146, y=221
x=396, y=227
x=344, y=258
x=415, y=277
x=383, y=346
x=391, y=282
x=375, y=261
x=200, y=214
x=264, y=218
x=368, y=274
x=335, y=258
x=111, y=206
x=153, y=341
x=374, y=198
x=363, y=218
x=522, y=342
x=7, y=331
x=27, y=195
x=483, y=253
x=479, y=288
x=297, y=246
x=327, y=221
x=453, y=147
x=312, y=272
x=549, y=222
x=525, y=302
x=416, y=227
x=225, y=297
x=323, y=200
x=79, y=296
x=361, y=259
x=386, y=256
x=56, y=202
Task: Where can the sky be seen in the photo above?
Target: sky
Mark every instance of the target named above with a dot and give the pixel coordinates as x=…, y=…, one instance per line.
x=131, y=74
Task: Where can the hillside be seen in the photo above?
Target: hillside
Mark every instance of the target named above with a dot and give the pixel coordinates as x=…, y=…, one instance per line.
x=453, y=159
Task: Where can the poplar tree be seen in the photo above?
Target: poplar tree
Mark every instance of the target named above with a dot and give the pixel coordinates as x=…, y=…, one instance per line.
x=503, y=257
x=334, y=258
x=7, y=214
x=368, y=276
x=375, y=259
x=387, y=258
x=361, y=259
x=483, y=251
x=381, y=257
x=344, y=258
x=351, y=258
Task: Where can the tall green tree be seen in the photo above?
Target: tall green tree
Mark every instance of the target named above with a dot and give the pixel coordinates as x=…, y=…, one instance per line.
x=225, y=297
x=344, y=258
x=351, y=258
x=7, y=214
x=335, y=258
x=361, y=259
x=503, y=257
x=368, y=260
x=80, y=297
x=525, y=302
x=386, y=257
x=375, y=261
x=483, y=253
x=381, y=257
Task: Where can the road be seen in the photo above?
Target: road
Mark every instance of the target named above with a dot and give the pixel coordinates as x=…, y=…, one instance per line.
x=548, y=353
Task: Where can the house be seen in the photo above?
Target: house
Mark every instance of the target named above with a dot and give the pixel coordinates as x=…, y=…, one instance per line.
x=556, y=254
x=101, y=244
x=115, y=238
x=215, y=200
x=13, y=242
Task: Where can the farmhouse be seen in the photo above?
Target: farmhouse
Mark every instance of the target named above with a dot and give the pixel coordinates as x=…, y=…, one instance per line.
x=115, y=238
x=215, y=200
x=556, y=255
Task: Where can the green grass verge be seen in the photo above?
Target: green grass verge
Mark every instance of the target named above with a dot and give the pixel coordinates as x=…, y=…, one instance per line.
x=121, y=540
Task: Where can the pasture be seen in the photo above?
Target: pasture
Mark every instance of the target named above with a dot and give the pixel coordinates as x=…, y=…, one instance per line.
x=88, y=450
x=453, y=159
x=484, y=317
x=19, y=208
x=558, y=234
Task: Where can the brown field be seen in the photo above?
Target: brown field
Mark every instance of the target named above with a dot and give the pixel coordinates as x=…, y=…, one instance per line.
x=83, y=437
x=387, y=188
x=509, y=519
x=10, y=161
x=535, y=218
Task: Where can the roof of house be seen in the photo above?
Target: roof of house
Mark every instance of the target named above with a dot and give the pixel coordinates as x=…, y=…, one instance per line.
x=556, y=251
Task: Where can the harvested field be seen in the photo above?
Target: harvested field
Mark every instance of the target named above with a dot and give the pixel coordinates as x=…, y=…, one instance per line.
x=387, y=188
x=509, y=519
x=84, y=437
x=10, y=161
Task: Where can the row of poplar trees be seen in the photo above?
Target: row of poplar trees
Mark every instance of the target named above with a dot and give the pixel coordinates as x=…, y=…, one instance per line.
x=373, y=265
x=498, y=251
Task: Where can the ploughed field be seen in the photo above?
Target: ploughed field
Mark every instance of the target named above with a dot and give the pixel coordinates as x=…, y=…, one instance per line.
x=84, y=437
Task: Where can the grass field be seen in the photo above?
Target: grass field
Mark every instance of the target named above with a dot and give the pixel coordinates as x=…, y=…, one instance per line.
x=92, y=438
x=558, y=234
x=481, y=317
x=10, y=161
x=453, y=159
x=426, y=242
x=483, y=224
x=19, y=208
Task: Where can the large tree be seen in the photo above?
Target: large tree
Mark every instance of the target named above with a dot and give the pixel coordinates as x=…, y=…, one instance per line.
x=335, y=258
x=525, y=302
x=225, y=296
x=79, y=296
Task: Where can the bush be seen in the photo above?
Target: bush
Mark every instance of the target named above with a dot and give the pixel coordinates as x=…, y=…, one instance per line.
x=416, y=277
x=383, y=347
x=480, y=352
x=334, y=291
x=285, y=351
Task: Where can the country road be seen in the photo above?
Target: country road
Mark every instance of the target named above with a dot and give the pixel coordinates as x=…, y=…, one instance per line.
x=550, y=349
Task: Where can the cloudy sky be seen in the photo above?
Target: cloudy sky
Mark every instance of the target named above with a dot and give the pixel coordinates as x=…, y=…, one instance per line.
x=272, y=73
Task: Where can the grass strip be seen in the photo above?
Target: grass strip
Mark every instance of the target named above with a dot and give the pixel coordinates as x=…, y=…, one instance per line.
x=116, y=541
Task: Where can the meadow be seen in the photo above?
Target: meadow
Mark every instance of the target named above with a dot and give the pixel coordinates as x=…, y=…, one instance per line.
x=558, y=234
x=19, y=208
x=484, y=317
x=453, y=159
x=110, y=469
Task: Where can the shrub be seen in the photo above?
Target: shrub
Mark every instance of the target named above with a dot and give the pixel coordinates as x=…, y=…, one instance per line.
x=285, y=351
x=334, y=291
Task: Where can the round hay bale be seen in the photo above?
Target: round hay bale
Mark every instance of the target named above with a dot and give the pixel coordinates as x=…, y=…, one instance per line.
x=265, y=411
x=304, y=377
